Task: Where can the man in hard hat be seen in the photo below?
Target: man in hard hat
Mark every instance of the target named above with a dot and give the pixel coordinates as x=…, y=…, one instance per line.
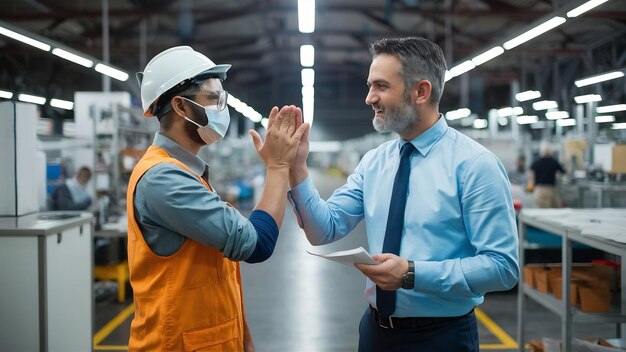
x=184, y=243
x=437, y=208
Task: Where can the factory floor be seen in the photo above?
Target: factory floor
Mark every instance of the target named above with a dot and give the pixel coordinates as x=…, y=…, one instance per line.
x=298, y=302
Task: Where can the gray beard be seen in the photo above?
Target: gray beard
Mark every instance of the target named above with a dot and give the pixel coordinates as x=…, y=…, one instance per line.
x=399, y=119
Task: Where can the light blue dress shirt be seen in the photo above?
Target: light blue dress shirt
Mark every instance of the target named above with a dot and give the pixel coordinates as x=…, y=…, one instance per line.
x=459, y=224
x=171, y=205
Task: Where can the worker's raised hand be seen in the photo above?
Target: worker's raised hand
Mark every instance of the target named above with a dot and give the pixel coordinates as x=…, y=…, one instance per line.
x=284, y=131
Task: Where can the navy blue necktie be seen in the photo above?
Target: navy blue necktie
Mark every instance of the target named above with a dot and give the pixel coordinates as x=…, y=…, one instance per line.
x=386, y=300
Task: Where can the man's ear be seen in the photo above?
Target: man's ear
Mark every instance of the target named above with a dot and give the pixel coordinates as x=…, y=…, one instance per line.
x=179, y=106
x=422, y=92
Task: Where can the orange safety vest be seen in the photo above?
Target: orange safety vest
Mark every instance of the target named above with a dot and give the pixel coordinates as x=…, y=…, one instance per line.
x=188, y=301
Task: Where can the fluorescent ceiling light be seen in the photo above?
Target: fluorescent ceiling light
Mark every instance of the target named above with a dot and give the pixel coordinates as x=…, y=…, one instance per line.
x=610, y=108
x=556, y=115
x=32, y=99
x=307, y=55
x=72, y=57
x=112, y=72
x=605, y=118
x=545, y=105
x=535, y=32
x=479, y=123
x=458, y=114
x=585, y=7
x=308, y=76
x=62, y=104
x=566, y=122
x=325, y=146
x=528, y=95
x=598, y=78
x=448, y=76
x=503, y=121
x=461, y=68
x=6, y=95
x=306, y=16
x=508, y=111
x=619, y=126
x=307, y=110
x=526, y=119
x=308, y=91
x=264, y=122
x=581, y=99
x=24, y=39
x=487, y=55
x=244, y=109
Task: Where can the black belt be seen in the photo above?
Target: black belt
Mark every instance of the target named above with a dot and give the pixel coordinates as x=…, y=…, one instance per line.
x=410, y=323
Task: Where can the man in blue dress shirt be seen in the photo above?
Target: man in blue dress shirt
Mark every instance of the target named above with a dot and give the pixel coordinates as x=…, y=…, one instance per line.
x=456, y=235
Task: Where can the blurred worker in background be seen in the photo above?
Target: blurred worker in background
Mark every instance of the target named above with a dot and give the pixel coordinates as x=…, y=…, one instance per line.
x=72, y=194
x=183, y=241
x=542, y=178
x=437, y=207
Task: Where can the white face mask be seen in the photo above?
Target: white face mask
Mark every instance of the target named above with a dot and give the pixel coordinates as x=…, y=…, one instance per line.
x=218, y=122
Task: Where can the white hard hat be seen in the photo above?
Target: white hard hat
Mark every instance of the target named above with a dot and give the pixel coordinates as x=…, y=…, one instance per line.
x=171, y=68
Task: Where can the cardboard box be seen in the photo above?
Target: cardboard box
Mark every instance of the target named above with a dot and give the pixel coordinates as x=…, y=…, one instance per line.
x=594, y=299
x=529, y=273
x=618, y=164
x=557, y=289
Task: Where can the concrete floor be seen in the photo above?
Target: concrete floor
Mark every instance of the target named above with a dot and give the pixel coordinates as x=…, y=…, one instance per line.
x=298, y=302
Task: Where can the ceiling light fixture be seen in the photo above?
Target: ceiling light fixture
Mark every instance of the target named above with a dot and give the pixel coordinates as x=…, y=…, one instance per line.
x=306, y=16
x=610, y=108
x=528, y=95
x=112, y=72
x=72, y=57
x=307, y=55
x=461, y=68
x=545, y=105
x=585, y=7
x=5, y=95
x=598, y=78
x=24, y=39
x=534, y=32
x=458, y=114
x=488, y=55
x=582, y=99
x=62, y=104
x=27, y=98
x=566, y=122
x=557, y=115
x=526, y=119
x=605, y=118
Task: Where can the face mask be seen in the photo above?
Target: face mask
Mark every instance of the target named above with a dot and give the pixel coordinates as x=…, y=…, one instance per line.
x=216, y=128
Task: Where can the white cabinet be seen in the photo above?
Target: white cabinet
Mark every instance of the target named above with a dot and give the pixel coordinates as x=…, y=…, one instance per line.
x=46, y=275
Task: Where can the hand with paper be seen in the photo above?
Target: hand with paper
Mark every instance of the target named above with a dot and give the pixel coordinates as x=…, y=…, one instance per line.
x=349, y=257
x=388, y=274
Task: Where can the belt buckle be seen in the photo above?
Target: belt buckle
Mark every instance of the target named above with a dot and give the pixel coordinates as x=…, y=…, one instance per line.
x=382, y=321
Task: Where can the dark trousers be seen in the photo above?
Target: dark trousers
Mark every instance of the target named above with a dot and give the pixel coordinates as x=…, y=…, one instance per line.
x=458, y=335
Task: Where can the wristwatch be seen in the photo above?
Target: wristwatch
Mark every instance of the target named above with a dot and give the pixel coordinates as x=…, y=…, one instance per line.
x=408, y=279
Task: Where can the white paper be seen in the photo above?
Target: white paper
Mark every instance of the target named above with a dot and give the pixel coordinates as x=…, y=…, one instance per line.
x=349, y=257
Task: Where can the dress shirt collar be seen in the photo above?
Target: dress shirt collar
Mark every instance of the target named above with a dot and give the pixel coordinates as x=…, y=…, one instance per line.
x=196, y=164
x=425, y=141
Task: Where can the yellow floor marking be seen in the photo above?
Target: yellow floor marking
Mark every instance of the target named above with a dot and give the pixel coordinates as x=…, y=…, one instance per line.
x=110, y=348
x=112, y=325
x=506, y=341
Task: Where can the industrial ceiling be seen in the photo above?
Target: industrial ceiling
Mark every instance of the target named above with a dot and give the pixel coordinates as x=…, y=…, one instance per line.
x=262, y=41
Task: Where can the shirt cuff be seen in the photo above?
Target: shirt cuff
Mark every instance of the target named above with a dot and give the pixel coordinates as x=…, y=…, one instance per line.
x=299, y=195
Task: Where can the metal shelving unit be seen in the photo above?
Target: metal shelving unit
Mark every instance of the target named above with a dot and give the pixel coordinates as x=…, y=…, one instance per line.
x=562, y=307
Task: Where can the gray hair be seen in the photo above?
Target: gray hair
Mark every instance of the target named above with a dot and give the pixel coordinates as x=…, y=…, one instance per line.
x=421, y=59
x=545, y=148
